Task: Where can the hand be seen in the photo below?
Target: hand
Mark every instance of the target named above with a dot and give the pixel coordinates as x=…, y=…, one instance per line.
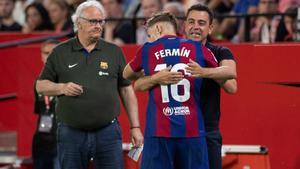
x=137, y=138
x=110, y=25
x=71, y=89
x=195, y=69
x=165, y=77
x=27, y=28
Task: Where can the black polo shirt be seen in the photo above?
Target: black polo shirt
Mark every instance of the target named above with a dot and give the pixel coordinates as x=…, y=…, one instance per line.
x=100, y=74
x=211, y=91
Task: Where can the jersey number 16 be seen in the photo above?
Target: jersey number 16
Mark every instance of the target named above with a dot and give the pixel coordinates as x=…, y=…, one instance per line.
x=174, y=87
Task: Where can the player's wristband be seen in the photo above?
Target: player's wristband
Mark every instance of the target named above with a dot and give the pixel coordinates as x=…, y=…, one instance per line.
x=133, y=127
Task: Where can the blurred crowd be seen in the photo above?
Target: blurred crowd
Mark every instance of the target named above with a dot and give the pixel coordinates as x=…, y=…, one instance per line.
x=29, y=16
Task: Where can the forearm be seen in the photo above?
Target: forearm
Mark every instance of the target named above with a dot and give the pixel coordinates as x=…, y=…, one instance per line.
x=229, y=86
x=144, y=83
x=219, y=73
x=49, y=88
x=129, y=74
x=131, y=106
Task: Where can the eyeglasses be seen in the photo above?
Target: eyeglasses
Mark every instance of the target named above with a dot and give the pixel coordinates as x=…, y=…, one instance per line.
x=94, y=22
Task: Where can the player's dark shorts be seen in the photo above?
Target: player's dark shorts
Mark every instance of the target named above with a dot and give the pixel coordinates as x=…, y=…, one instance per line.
x=175, y=153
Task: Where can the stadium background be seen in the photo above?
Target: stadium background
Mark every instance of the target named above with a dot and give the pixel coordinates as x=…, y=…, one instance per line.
x=265, y=111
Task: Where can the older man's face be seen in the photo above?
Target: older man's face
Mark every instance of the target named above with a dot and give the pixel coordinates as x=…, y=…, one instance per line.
x=91, y=23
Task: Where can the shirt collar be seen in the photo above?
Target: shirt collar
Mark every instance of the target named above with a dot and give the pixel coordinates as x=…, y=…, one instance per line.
x=77, y=45
x=169, y=36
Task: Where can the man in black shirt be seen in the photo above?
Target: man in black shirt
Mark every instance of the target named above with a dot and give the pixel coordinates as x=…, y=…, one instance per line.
x=7, y=23
x=198, y=26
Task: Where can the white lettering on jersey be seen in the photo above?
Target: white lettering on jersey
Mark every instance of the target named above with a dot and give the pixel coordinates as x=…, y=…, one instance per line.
x=183, y=52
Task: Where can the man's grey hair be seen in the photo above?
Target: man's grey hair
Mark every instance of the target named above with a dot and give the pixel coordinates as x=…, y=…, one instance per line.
x=82, y=7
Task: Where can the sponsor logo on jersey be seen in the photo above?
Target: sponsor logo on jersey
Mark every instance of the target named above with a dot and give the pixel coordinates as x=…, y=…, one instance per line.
x=177, y=111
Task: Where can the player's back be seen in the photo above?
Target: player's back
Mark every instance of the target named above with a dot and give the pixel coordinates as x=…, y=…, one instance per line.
x=174, y=110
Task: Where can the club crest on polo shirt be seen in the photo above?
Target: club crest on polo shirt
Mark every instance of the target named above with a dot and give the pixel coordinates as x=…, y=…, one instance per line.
x=103, y=65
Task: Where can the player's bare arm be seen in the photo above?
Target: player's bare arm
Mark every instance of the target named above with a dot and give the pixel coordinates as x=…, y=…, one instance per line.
x=130, y=103
x=129, y=74
x=49, y=88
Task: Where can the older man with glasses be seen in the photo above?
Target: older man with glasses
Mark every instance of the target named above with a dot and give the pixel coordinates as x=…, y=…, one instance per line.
x=86, y=74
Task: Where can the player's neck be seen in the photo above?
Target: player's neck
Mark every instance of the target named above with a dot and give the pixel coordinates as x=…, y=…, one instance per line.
x=168, y=33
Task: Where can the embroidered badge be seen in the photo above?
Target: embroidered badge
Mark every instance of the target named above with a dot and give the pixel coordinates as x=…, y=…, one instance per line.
x=103, y=65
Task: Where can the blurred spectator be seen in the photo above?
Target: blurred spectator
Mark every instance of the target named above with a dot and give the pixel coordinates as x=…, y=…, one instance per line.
x=45, y=3
x=149, y=7
x=37, y=19
x=74, y=4
x=220, y=6
x=188, y=3
x=270, y=22
x=285, y=4
x=44, y=152
x=177, y=10
x=60, y=15
x=117, y=31
x=287, y=27
x=7, y=22
x=19, y=10
x=126, y=4
x=235, y=27
x=134, y=9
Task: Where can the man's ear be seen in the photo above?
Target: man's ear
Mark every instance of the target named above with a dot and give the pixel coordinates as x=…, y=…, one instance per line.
x=79, y=26
x=211, y=28
x=159, y=29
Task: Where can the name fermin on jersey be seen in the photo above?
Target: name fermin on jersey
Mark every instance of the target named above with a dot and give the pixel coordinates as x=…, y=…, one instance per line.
x=172, y=52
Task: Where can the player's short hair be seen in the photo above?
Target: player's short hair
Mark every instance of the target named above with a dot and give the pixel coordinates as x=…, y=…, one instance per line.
x=200, y=7
x=162, y=17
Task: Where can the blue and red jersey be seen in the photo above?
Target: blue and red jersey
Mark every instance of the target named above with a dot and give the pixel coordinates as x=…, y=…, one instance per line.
x=173, y=110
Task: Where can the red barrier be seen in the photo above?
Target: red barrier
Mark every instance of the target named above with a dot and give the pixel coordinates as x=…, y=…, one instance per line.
x=265, y=110
x=12, y=36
